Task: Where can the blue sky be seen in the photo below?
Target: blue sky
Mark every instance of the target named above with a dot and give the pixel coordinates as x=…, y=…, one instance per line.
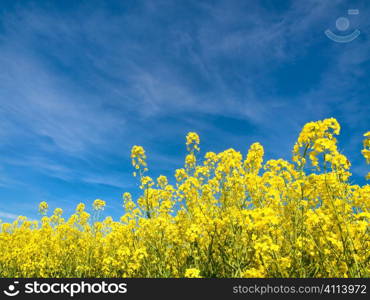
x=83, y=81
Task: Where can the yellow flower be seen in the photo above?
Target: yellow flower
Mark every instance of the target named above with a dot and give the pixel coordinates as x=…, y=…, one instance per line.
x=192, y=141
x=99, y=204
x=254, y=273
x=43, y=207
x=138, y=157
x=192, y=273
x=80, y=208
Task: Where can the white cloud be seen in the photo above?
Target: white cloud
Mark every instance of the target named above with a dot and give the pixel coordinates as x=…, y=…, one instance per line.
x=8, y=216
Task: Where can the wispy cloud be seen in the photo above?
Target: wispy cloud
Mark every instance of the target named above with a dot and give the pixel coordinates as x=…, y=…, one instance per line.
x=8, y=216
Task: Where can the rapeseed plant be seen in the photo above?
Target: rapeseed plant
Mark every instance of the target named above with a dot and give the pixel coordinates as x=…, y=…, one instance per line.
x=227, y=215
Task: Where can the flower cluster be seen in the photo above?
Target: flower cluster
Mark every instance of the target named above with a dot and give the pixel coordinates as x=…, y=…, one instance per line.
x=225, y=214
